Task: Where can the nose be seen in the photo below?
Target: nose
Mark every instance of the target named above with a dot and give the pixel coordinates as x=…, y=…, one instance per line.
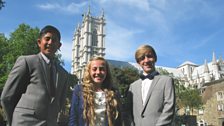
x=147, y=58
x=98, y=71
x=50, y=41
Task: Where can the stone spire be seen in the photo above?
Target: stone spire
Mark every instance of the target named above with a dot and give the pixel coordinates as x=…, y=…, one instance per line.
x=215, y=67
x=198, y=80
x=102, y=13
x=214, y=61
x=206, y=70
x=220, y=60
x=89, y=13
x=207, y=77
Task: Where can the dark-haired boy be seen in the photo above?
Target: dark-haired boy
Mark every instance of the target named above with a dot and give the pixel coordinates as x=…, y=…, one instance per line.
x=36, y=87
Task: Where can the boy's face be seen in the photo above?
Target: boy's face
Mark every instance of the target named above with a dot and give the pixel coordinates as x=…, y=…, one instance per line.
x=49, y=43
x=147, y=62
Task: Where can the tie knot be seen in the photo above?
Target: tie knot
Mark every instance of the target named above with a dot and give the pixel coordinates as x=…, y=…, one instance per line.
x=51, y=62
x=149, y=76
x=51, y=59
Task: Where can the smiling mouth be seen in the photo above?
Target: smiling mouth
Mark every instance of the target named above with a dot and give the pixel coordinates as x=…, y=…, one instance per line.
x=148, y=65
x=50, y=48
x=98, y=77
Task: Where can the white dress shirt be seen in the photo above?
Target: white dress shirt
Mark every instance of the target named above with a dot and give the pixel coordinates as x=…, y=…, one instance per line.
x=146, y=83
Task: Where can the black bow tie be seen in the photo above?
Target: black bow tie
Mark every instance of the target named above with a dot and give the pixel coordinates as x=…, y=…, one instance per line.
x=149, y=76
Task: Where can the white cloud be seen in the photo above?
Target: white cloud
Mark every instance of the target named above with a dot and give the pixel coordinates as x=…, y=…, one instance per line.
x=119, y=41
x=71, y=8
x=124, y=5
x=143, y=5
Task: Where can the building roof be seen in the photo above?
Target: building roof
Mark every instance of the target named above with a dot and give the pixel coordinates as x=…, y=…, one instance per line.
x=187, y=63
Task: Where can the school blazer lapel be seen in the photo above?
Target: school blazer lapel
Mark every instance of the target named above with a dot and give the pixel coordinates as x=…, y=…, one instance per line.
x=136, y=90
x=43, y=68
x=139, y=93
x=59, y=79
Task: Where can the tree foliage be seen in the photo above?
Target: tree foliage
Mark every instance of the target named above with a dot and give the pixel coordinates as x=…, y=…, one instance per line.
x=3, y=65
x=23, y=41
x=163, y=71
x=185, y=97
x=190, y=98
x=123, y=77
x=73, y=80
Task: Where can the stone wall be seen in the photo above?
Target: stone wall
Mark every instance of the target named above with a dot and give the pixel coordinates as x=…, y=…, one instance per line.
x=212, y=115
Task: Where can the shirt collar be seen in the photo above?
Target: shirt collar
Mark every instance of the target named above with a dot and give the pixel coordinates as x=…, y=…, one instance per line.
x=45, y=58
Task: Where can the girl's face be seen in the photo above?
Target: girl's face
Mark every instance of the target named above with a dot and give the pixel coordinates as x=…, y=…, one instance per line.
x=98, y=71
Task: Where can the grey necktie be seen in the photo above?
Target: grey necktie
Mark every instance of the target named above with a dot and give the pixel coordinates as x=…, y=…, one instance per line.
x=52, y=84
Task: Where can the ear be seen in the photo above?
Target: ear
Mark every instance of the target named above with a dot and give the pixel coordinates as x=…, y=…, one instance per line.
x=39, y=42
x=59, y=45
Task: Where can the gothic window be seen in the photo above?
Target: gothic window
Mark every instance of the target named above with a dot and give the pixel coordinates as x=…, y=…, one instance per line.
x=220, y=96
x=192, y=69
x=183, y=71
x=220, y=107
x=94, y=38
x=200, y=111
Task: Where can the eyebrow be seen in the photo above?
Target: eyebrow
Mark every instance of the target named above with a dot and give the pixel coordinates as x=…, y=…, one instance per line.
x=98, y=66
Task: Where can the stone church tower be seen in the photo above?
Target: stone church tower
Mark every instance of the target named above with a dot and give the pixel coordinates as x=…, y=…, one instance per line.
x=88, y=41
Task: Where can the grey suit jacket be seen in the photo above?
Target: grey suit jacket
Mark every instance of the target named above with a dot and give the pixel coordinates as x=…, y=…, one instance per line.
x=26, y=95
x=159, y=107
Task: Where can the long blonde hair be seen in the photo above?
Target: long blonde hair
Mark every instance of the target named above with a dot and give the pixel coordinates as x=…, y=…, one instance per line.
x=88, y=95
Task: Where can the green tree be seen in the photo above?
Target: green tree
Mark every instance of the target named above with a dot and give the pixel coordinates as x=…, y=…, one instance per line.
x=23, y=41
x=185, y=97
x=3, y=66
x=190, y=98
x=123, y=77
x=163, y=71
x=73, y=80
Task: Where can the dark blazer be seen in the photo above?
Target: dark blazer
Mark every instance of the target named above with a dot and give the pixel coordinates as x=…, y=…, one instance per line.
x=76, y=111
x=159, y=106
x=26, y=95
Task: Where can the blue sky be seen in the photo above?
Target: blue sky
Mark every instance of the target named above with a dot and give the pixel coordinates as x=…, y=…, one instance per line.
x=179, y=30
